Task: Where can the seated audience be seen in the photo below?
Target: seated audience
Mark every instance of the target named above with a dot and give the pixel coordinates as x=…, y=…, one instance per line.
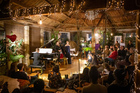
x=84, y=79
x=22, y=75
x=99, y=51
x=111, y=50
x=94, y=87
x=97, y=45
x=131, y=57
x=36, y=56
x=38, y=87
x=122, y=43
x=90, y=44
x=13, y=69
x=112, y=57
x=120, y=84
x=107, y=71
x=129, y=45
x=54, y=77
x=121, y=53
x=106, y=51
x=117, y=44
x=85, y=75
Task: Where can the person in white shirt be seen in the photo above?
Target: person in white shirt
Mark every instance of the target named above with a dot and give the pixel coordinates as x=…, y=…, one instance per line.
x=122, y=43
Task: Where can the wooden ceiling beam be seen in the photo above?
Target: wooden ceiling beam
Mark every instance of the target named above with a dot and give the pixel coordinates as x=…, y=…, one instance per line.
x=124, y=22
x=18, y=3
x=110, y=22
x=63, y=22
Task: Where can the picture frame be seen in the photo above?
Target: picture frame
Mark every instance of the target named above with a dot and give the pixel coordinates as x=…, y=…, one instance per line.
x=118, y=38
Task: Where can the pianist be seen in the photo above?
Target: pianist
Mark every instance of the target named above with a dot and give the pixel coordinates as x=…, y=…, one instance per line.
x=36, y=56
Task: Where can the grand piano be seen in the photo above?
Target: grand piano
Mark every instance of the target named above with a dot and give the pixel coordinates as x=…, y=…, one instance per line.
x=46, y=52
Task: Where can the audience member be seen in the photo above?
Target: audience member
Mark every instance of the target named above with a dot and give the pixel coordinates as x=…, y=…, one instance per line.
x=36, y=56
x=120, y=84
x=22, y=75
x=121, y=53
x=97, y=45
x=90, y=44
x=107, y=71
x=67, y=47
x=106, y=51
x=112, y=57
x=117, y=44
x=13, y=69
x=131, y=57
x=122, y=43
x=5, y=88
x=85, y=77
x=99, y=51
x=39, y=86
x=54, y=78
x=129, y=45
x=94, y=87
x=111, y=50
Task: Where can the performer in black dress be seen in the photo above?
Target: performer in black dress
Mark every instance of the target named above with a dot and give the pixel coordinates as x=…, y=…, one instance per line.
x=67, y=48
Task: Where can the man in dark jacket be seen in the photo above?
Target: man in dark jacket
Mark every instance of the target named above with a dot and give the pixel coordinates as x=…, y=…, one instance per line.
x=121, y=53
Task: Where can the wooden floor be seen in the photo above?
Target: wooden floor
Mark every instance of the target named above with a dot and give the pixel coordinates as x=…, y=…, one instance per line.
x=64, y=69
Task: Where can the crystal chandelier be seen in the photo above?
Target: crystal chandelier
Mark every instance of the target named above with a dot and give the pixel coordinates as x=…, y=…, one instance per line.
x=91, y=15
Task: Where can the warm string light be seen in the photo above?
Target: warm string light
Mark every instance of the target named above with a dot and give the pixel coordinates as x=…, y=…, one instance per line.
x=117, y=4
x=63, y=6
x=81, y=5
x=72, y=5
x=39, y=10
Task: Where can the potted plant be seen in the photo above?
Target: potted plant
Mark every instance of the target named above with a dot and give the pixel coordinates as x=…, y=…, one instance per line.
x=14, y=49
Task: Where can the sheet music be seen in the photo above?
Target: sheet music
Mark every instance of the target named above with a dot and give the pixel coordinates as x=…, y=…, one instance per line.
x=45, y=50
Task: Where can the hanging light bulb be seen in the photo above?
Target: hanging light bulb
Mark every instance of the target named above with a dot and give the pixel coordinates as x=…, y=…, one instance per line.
x=40, y=22
x=111, y=34
x=96, y=34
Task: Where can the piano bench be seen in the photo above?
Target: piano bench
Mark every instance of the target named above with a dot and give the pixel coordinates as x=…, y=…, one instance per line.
x=37, y=66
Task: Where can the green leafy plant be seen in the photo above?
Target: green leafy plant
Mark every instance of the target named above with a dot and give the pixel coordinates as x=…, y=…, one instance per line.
x=87, y=49
x=15, y=50
x=3, y=54
x=54, y=36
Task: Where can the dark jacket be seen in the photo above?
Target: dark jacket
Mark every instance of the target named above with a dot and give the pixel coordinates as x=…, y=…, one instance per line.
x=122, y=54
x=21, y=75
x=122, y=87
x=129, y=46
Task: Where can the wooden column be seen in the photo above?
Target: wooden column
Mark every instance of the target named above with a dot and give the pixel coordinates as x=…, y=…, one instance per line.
x=138, y=32
x=42, y=36
x=26, y=45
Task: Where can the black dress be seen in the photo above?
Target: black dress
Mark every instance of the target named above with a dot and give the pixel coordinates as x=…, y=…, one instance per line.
x=68, y=54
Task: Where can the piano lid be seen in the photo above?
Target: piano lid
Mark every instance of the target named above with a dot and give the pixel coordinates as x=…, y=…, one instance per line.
x=48, y=44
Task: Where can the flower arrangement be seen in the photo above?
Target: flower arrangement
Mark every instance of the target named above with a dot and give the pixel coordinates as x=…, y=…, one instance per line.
x=14, y=47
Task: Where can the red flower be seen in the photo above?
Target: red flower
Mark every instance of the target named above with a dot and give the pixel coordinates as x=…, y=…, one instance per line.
x=11, y=37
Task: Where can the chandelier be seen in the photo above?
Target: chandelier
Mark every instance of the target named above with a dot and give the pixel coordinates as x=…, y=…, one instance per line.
x=91, y=15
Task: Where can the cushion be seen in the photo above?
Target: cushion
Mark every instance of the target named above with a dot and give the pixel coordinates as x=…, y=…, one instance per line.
x=12, y=83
